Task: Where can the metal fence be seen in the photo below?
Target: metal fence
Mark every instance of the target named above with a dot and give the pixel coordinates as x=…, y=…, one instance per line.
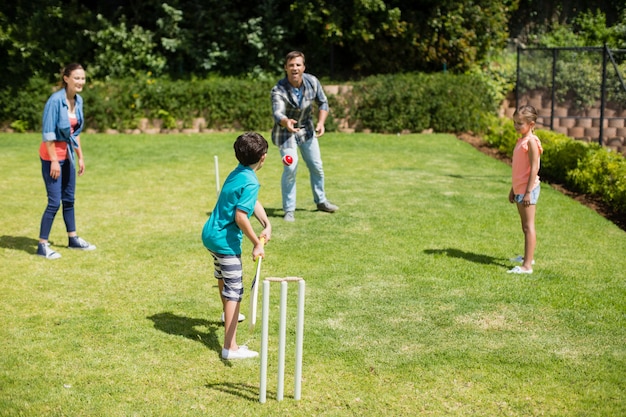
x=579, y=92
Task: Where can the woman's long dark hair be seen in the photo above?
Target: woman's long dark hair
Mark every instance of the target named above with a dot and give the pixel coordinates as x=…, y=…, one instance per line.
x=68, y=70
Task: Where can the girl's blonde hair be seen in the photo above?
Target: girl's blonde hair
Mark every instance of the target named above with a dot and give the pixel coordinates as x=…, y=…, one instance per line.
x=526, y=113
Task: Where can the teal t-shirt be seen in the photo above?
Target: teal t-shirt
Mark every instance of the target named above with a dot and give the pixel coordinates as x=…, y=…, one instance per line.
x=220, y=233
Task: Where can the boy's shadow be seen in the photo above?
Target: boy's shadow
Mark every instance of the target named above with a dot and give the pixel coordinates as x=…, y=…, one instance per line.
x=27, y=244
x=469, y=256
x=199, y=330
x=243, y=390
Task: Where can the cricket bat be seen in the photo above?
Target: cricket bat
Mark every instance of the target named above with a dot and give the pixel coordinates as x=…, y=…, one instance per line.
x=254, y=291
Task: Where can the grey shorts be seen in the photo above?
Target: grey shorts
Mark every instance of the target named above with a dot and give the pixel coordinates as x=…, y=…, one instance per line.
x=228, y=268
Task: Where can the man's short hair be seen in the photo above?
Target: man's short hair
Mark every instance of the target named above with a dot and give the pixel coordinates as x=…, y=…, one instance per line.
x=294, y=54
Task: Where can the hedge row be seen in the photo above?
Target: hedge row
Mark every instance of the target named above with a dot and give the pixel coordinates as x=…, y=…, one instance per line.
x=415, y=102
x=392, y=103
x=579, y=166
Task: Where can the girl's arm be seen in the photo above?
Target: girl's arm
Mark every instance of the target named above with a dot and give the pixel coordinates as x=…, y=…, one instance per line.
x=533, y=159
x=55, y=167
x=79, y=154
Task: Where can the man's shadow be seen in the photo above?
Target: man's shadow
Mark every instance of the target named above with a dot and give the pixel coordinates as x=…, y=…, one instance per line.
x=27, y=244
x=279, y=212
x=271, y=212
x=468, y=256
x=199, y=330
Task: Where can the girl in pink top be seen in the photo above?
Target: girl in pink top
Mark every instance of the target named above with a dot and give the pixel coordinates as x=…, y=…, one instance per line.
x=525, y=189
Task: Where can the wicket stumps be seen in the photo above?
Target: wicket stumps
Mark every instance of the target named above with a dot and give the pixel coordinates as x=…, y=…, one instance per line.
x=282, y=334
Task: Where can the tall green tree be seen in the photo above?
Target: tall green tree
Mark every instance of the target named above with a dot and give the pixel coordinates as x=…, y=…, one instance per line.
x=38, y=36
x=375, y=36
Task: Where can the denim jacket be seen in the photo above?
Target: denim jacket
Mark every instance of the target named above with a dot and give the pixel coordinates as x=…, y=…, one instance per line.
x=285, y=104
x=56, y=121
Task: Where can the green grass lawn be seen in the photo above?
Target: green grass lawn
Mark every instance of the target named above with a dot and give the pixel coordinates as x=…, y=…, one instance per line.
x=409, y=309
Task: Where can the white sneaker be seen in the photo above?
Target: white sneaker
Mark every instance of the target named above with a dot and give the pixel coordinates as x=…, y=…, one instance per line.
x=242, y=353
x=520, y=260
x=519, y=270
x=240, y=319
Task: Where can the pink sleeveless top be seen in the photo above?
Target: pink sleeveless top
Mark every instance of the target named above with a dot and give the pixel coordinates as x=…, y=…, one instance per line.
x=59, y=146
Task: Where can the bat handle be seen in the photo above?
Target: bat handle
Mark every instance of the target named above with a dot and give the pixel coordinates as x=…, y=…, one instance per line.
x=262, y=240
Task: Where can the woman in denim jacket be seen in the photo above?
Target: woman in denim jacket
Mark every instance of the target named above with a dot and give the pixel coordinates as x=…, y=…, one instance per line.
x=62, y=122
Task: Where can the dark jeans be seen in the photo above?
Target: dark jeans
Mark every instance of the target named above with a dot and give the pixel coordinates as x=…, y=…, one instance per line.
x=59, y=190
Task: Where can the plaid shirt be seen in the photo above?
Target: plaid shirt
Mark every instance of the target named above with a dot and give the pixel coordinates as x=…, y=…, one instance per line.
x=285, y=104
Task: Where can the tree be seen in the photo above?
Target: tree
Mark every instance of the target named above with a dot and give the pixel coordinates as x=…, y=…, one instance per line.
x=38, y=37
x=374, y=36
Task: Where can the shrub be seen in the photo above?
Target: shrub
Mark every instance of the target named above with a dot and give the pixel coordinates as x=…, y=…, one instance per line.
x=224, y=103
x=500, y=133
x=391, y=103
x=23, y=108
x=414, y=102
x=458, y=103
x=19, y=126
x=602, y=173
x=561, y=154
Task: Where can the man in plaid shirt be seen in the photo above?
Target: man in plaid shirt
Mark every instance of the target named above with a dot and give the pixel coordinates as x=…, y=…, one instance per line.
x=293, y=99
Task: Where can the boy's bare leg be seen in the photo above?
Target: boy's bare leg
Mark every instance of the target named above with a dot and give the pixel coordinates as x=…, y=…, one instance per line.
x=231, y=314
x=220, y=287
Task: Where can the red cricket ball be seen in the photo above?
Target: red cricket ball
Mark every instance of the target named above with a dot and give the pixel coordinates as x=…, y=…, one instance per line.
x=287, y=160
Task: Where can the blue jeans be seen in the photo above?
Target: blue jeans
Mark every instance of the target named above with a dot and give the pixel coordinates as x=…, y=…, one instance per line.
x=59, y=190
x=310, y=151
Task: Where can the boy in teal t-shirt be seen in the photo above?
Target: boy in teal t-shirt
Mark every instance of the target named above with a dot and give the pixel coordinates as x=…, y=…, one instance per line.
x=223, y=233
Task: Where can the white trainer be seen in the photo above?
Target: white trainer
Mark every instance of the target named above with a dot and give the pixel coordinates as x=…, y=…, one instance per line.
x=242, y=353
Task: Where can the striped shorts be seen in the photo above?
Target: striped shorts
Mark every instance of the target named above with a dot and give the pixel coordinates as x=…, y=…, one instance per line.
x=228, y=268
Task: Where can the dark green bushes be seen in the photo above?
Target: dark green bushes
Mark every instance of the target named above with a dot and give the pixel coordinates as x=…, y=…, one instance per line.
x=602, y=173
x=561, y=155
x=23, y=109
x=391, y=103
x=223, y=103
x=415, y=102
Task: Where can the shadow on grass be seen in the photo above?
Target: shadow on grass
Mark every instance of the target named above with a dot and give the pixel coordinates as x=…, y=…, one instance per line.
x=280, y=213
x=273, y=212
x=468, y=256
x=504, y=178
x=27, y=244
x=188, y=327
x=246, y=391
